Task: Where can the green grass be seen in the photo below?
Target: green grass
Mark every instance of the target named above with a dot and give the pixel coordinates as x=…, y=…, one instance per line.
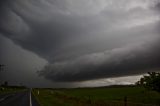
x=5, y=90
x=97, y=96
x=48, y=98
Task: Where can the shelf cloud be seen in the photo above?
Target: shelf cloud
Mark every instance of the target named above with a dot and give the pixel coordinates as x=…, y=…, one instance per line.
x=85, y=40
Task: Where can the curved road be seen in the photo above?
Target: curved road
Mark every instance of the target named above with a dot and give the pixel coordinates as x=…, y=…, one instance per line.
x=24, y=98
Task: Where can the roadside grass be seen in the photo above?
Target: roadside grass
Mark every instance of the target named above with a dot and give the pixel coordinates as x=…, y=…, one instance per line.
x=48, y=98
x=114, y=96
x=5, y=90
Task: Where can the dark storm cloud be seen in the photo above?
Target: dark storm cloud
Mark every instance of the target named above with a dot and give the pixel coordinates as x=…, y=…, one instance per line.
x=42, y=35
x=130, y=60
x=85, y=40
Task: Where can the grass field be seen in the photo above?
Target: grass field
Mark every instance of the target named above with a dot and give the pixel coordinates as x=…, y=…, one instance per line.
x=112, y=96
x=4, y=90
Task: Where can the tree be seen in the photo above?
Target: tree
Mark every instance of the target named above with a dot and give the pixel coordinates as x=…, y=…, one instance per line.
x=150, y=81
x=5, y=83
x=1, y=67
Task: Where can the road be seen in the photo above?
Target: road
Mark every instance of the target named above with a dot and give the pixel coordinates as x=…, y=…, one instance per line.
x=24, y=98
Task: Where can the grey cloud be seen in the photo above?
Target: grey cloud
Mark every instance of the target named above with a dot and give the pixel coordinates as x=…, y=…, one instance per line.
x=85, y=40
x=129, y=60
x=39, y=34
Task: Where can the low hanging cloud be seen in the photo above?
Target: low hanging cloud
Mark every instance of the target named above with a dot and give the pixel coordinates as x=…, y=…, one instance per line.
x=129, y=60
x=84, y=40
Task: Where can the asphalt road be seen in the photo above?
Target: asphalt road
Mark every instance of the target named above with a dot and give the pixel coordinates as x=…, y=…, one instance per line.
x=24, y=98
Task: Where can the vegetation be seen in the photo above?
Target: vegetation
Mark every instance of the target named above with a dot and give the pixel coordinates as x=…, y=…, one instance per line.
x=151, y=81
x=107, y=96
x=11, y=89
x=1, y=67
x=6, y=88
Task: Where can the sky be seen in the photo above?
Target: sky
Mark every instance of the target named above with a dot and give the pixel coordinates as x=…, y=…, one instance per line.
x=78, y=43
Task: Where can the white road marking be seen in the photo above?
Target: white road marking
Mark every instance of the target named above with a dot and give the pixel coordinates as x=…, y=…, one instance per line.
x=2, y=99
x=30, y=99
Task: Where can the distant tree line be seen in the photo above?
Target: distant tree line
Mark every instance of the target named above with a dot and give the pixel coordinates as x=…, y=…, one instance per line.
x=6, y=85
x=150, y=81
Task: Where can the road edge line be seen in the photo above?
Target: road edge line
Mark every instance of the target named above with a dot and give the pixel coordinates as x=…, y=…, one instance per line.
x=4, y=98
x=30, y=98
